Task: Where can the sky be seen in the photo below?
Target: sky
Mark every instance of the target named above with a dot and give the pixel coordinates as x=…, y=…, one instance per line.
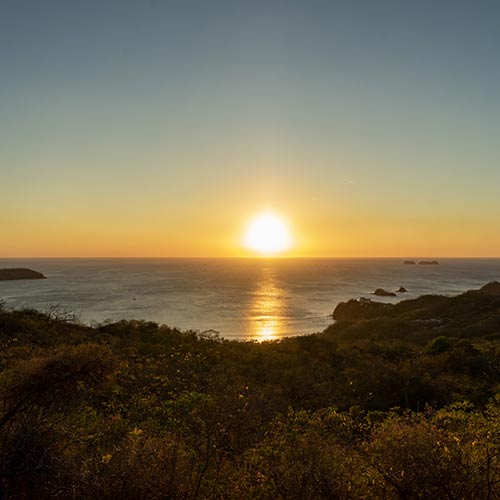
x=159, y=128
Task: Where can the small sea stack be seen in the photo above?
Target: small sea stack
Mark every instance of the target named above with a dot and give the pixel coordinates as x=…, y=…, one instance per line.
x=380, y=292
x=20, y=273
x=401, y=289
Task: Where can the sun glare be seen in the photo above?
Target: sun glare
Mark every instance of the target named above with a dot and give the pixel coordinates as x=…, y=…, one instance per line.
x=268, y=234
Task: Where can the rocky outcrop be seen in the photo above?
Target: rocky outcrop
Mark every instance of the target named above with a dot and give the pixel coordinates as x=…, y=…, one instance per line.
x=409, y=262
x=429, y=262
x=401, y=289
x=20, y=273
x=380, y=292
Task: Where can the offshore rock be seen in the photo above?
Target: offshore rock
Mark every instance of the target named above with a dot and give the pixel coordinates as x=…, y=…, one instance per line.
x=380, y=292
x=20, y=273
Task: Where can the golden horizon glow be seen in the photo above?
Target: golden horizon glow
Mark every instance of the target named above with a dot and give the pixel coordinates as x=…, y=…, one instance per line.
x=153, y=231
x=267, y=234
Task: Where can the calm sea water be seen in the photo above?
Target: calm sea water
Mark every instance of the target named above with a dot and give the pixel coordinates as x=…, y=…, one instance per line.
x=239, y=298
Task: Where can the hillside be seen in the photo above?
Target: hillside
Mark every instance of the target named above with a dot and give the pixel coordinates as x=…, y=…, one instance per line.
x=390, y=401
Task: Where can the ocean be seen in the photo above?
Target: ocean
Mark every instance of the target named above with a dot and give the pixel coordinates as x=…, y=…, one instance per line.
x=249, y=299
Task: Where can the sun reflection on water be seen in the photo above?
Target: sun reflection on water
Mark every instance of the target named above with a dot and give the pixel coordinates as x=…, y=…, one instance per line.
x=267, y=332
x=266, y=309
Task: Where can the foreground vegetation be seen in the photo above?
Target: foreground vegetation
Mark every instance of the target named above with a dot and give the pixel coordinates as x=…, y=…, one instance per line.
x=389, y=402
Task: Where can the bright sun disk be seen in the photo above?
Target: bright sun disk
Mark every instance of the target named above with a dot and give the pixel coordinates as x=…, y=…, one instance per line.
x=268, y=234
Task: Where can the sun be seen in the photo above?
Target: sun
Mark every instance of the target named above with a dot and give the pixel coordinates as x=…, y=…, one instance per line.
x=268, y=234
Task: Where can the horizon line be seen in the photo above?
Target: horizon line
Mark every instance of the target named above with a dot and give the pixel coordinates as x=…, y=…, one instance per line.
x=256, y=257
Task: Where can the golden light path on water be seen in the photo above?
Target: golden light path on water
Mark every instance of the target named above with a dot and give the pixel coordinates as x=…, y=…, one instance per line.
x=266, y=308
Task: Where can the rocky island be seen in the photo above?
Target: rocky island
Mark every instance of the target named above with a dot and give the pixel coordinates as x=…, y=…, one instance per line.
x=429, y=262
x=380, y=292
x=20, y=273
